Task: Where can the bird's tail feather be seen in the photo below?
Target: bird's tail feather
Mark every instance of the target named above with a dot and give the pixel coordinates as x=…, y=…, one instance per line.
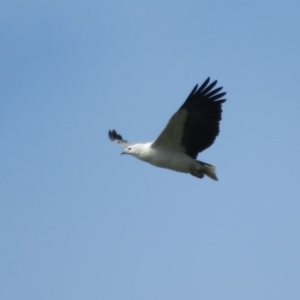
x=208, y=170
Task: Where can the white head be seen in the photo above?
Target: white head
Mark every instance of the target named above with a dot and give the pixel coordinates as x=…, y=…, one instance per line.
x=132, y=150
x=140, y=151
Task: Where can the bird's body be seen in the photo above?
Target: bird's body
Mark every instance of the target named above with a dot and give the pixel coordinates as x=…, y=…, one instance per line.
x=176, y=161
x=168, y=159
x=191, y=129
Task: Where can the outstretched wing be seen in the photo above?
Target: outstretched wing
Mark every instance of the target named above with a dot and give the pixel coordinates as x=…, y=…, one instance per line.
x=117, y=138
x=194, y=127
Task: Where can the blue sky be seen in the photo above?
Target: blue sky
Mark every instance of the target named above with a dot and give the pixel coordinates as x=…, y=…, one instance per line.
x=78, y=221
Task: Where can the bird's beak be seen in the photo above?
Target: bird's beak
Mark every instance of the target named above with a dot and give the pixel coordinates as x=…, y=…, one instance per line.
x=123, y=152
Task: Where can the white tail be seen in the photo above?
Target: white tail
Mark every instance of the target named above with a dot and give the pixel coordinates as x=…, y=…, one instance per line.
x=209, y=170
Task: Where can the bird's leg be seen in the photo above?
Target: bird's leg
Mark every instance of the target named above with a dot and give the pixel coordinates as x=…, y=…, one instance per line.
x=197, y=173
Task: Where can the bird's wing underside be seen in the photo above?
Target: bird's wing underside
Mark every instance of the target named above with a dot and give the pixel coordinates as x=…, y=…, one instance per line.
x=195, y=125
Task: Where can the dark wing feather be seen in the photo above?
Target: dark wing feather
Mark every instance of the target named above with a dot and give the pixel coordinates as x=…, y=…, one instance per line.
x=201, y=126
x=117, y=138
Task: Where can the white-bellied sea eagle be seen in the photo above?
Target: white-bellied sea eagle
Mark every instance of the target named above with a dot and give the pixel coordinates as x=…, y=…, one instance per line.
x=192, y=129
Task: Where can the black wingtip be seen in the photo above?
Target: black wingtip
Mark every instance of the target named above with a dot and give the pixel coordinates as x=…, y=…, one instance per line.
x=209, y=88
x=193, y=90
x=204, y=84
x=205, y=92
x=112, y=134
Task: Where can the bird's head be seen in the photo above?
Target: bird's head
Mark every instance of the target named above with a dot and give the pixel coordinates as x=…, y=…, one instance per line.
x=132, y=150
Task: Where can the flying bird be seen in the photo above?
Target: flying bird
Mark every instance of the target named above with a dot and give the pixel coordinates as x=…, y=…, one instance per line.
x=192, y=129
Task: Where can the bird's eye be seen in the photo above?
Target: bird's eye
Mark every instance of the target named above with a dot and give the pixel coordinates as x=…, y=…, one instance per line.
x=128, y=149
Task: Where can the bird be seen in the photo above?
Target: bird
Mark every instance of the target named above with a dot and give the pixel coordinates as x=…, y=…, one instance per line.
x=191, y=130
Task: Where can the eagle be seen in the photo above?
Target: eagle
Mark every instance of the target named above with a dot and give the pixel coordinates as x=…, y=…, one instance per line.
x=191, y=130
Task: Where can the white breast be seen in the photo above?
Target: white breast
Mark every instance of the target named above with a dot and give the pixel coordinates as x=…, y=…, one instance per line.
x=176, y=161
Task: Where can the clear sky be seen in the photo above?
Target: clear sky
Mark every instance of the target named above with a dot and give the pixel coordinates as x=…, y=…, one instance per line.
x=78, y=221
